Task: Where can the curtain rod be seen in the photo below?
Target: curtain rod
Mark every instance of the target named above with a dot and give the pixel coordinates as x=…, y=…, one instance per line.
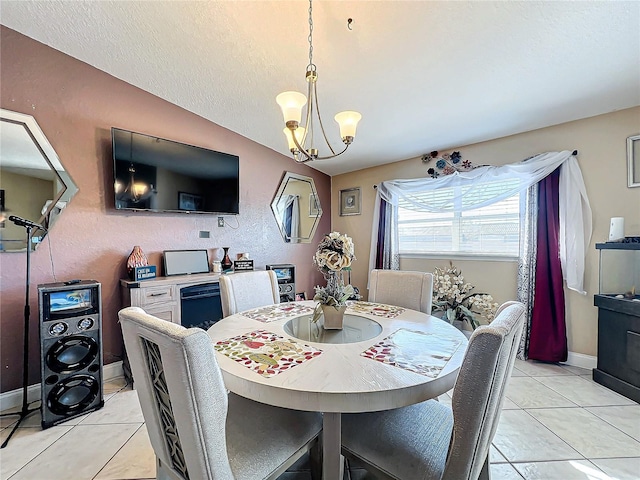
x=574, y=153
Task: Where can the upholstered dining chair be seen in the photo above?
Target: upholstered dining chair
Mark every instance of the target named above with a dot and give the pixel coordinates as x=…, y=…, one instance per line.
x=197, y=431
x=407, y=289
x=430, y=440
x=247, y=290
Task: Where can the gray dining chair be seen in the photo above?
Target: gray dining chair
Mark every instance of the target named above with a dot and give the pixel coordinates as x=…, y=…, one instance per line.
x=406, y=289
x=247, y=290
x=197, y=430
x=430, y=440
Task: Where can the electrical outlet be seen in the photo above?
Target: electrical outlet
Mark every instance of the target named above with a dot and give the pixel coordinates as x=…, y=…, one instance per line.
x=221, y=221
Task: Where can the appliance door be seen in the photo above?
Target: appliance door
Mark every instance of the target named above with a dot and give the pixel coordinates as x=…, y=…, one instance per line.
x=200, y=305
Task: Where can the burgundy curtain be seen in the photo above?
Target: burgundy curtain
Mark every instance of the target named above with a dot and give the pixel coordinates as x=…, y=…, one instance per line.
x=548, y=337
x=381, y=235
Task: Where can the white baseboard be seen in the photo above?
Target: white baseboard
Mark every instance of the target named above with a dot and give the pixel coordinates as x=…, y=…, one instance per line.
x=14, y=397
x=582, y=360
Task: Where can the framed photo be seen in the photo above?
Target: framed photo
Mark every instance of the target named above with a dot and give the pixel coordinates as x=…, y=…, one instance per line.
x=300, y=296
x=350, y=202
x=633, y=161
x=190, y=201
x=314, y=205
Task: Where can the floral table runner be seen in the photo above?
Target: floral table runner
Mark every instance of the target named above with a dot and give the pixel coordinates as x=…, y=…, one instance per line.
x=271, y=313
x=423, y=353
x=266, y=353
x=377, y=309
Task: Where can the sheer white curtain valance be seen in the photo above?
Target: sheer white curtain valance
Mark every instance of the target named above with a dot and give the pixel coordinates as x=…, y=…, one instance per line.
x=478, y=190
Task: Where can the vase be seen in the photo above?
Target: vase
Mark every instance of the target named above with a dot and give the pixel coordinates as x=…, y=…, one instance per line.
x=137, y=258
x=226, y=261
x=333, y=317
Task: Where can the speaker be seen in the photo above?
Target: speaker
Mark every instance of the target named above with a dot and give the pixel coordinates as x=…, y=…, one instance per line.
x=70, y=350
x=286, y=275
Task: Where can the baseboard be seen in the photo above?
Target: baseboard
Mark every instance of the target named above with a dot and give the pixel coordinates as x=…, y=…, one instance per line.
x=14, y=397
x=581, y=360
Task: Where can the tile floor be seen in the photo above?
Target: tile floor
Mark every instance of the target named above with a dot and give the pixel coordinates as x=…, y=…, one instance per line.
x=556, y=424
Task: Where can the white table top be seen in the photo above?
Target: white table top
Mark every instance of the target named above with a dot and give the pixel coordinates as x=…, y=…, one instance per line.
x=340, y=379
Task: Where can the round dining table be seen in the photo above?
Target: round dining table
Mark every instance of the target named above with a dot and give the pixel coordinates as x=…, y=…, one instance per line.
x=384, y=357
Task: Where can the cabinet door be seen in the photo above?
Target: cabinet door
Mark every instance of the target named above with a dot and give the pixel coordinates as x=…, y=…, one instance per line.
x=168, y=311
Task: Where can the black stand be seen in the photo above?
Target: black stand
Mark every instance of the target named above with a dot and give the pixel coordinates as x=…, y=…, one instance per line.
x=25, y=411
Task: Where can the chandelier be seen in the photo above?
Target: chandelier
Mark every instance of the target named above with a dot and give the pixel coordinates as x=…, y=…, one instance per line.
x=301, y=138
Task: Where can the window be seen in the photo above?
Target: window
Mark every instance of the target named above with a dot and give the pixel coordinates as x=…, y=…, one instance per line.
x=492, y=230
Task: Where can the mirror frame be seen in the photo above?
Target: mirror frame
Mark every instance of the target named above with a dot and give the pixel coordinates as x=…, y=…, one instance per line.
x=50, y=156
x=286, y=178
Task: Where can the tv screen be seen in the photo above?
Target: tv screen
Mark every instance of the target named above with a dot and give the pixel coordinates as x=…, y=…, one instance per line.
x=154, y=174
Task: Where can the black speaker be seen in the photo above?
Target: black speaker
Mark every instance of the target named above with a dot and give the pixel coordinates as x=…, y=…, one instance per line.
x=70, y=349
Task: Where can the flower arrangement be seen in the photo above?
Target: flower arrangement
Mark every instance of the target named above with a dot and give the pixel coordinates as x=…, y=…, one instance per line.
x=452, y=295
x=447, y=163
x=333, y=255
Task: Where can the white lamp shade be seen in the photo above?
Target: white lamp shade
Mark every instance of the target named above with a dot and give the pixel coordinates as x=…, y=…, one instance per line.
x=348, y=122
x=299, y=133
x=291, y=104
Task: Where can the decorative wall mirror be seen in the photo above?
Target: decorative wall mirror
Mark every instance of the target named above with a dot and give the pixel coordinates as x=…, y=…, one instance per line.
x=33, y=183
x=296, y=208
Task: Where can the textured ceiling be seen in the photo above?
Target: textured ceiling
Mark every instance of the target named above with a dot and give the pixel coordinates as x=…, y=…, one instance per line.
x=425, y=75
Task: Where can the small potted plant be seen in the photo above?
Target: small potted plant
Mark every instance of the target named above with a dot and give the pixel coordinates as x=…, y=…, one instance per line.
x=334, y=254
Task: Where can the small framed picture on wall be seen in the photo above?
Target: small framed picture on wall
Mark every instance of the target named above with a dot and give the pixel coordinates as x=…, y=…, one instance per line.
x=633, y=161
x=350, y=201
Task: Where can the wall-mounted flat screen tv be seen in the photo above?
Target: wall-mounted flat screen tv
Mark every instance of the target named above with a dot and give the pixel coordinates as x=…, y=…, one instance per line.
x=159, y=175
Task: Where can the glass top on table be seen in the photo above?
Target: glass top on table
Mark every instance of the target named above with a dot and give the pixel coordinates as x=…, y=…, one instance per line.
x=355, y=329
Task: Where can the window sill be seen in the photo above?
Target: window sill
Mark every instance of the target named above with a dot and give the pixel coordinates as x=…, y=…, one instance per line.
x=461, y=256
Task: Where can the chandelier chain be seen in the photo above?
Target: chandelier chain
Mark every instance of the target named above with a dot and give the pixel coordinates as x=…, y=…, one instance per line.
x=310, y=38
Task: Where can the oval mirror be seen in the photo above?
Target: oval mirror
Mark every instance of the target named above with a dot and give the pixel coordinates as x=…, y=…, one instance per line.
x=33, y=184
x=296, y=208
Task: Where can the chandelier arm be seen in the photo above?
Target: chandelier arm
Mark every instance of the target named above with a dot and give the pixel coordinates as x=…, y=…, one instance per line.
x=301, y=149
x=335, y=154
x=326, y=140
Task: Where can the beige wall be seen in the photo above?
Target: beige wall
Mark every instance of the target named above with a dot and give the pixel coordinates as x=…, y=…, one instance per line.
x=601, y=143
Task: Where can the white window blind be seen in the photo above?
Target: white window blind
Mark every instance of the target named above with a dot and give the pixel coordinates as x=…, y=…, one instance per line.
x=493, y=230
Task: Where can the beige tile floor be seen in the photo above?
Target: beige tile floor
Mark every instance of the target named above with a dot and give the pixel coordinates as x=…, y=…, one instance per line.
x=556, y=424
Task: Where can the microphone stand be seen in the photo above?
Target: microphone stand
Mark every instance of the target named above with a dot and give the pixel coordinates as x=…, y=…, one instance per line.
x=25, y=411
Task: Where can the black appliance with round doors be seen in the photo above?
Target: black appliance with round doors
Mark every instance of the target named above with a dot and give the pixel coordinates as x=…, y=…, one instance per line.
x=70, y=349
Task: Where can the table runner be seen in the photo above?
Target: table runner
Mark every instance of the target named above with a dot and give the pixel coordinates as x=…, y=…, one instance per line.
x=272, y=313
x=266, y=353
x=377, y=309
x=419, y=352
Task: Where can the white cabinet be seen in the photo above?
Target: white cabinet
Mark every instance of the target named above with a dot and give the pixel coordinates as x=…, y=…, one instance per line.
x=161, y=296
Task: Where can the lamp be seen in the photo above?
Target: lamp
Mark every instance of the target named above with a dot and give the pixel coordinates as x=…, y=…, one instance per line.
x=292, y=104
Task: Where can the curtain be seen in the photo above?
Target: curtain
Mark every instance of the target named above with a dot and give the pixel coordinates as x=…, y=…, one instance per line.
x=575, y=211
x=527, y=263
x=548, y=337
x=289, y=210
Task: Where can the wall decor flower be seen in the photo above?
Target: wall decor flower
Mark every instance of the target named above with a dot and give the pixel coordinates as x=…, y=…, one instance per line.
x=452, y=296
x=334, y=254
x=447, y=163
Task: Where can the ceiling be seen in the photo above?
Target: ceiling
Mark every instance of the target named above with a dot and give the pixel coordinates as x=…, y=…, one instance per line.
x=426, y=75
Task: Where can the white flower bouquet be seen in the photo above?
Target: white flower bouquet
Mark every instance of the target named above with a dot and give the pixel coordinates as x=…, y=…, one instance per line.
x=452, y=295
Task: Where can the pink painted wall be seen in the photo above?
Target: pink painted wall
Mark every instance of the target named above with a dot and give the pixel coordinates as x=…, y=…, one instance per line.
x=76, y=105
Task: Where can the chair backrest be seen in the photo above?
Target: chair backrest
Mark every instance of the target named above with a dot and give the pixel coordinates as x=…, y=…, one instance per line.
x=184, y=408
x=412, y=290
x=247, y=290
x=479, y=391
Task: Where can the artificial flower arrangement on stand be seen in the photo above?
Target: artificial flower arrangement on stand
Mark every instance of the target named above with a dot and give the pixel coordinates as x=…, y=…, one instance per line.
x=452, y=297
x=334, y=255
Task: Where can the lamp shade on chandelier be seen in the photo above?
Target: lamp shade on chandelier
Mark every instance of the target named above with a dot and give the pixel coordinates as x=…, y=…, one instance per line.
x=300, y=138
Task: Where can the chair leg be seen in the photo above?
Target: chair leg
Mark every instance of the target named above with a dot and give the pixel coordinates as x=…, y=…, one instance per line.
x=485, y=473
x=315, y=459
